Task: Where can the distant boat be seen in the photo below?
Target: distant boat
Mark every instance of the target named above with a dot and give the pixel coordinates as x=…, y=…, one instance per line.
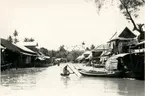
x=99, y=73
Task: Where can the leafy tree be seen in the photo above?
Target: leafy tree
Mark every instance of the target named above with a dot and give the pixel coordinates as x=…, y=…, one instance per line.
x=129, y=8
x=87, y=49
x=29, y=40
x=61, y=53
x=92, y=47
x=62, y=49
x=10, y=39
x=72, y=55
x=44, y=51
x=52, y=53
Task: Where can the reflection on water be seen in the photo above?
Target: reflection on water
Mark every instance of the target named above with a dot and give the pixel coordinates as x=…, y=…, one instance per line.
x=123, y=87
x=20, y=79
x=42, y=81
x=65, y=81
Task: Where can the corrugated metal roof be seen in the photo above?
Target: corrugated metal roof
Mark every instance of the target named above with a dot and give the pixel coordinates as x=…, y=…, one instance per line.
x=16, y=48
x=24, y=48
x=118, y=55
x=29, y=43
x=9, y=45
x=33, y=48
x=28, y=54
x=102, y=47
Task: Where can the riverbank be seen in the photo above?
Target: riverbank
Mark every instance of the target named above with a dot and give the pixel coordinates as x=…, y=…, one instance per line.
x=37, y=65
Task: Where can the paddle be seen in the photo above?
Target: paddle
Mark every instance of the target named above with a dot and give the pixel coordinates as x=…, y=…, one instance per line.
x=78, y=66
x=72, y=70
x=74, y=67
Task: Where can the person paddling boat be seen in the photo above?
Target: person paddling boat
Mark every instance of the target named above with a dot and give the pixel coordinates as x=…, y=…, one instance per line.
x=66, y=72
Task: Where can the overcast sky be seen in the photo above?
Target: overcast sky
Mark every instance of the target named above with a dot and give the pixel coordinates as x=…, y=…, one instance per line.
x=61, y=22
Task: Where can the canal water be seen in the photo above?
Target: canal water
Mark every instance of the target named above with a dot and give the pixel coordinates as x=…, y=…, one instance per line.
x=48, y=82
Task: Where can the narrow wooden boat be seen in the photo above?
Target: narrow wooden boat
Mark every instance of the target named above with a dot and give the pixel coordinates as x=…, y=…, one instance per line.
x=99, y=74
x=64, y=74
x=99, y=66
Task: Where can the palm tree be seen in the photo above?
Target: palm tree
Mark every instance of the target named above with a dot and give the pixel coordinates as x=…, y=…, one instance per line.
x=10, y=39
x=31, y=40
x=26, y=39
x=15, y=35
x=83, y=43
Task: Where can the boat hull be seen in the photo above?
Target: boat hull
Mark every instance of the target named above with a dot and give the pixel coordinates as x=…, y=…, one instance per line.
x=64, y=74
x=99, y=74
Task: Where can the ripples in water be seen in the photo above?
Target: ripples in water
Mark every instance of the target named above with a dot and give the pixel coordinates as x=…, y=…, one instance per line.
x=42, y=81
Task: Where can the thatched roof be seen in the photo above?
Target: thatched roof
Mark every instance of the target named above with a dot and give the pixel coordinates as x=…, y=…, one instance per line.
x=126, y=34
